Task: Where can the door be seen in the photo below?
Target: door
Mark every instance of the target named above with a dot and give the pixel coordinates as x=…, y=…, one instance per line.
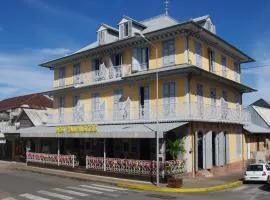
x=213, y=96
x=169, y=99
x=200, y=150
x=198, y=54
x=224, y=104
x=200, y=100
x=61, y=109
x=62, y=74
x=76, y=73
x=169, y=52
x=144, y=102
x=224, y=66
x=118, y=111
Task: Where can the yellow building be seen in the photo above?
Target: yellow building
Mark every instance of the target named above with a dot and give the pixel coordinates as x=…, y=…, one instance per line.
x=181, y=75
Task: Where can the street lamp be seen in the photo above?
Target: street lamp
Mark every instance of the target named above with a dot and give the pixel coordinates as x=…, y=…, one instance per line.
x=157, y=122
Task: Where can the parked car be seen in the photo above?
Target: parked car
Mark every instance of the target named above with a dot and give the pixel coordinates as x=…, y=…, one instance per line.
x=257, y=172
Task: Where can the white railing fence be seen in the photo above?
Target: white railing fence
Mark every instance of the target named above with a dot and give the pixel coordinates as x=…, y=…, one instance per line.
x=52, y=159
x=134, y=167
x=130, y=111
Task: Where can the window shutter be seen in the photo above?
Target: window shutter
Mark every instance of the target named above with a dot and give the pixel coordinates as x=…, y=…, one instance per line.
x=198, y=53
x=238, y=144
x=213, y=61
x=129, y=28
x=208, y=150
x=224, y=66
x=135, y=61
x=217, y=149
x=121, y=31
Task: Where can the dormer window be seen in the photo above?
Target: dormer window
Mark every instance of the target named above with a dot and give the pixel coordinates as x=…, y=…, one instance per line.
x=101, y=37
x=126, y=29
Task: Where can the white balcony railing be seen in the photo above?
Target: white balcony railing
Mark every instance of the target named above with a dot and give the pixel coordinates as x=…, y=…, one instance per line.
x=132, y=112
x=103, y=74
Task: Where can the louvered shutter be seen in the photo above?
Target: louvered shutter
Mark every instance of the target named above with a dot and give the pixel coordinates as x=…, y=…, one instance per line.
x=217, y=149
x=213, y=61
x=238, y=144
x=146, y=102
x=208, y=150
x=227, y=142
x=224, y=66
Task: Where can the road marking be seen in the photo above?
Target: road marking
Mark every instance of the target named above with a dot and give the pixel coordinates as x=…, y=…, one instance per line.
x=85, y=190
x=110, y=187
x=52, y=194
x=33, y=197
x=71, y=192
x=98, y=188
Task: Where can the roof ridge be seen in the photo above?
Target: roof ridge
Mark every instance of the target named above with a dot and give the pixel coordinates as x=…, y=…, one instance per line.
x=157, y=16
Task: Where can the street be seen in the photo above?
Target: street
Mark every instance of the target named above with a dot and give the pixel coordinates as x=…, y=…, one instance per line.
x=16, y=185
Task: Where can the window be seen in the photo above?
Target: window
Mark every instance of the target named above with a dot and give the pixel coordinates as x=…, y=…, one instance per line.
x=75, y=101
x=198, y=54
x=212, y=59
x=169, y=100
x=144, y=102
x=224, y=104
x=256, y=168
x=213, y=95
x=199, y=93
x=238, y=144
x=126, y=29
x=140, y=59
x=117, y=59
x=61, y=106
x=118, y=102
x=224, y=66
x=76, y=73
x=96, y=64
x=98, y=109
x=169, y=52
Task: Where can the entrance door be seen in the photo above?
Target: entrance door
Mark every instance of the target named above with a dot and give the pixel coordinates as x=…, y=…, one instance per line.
x=145, y=149
x=200, y=150
x=144, y=102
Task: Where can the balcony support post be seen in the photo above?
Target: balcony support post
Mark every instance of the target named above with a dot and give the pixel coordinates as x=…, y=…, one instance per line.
x=104, y=154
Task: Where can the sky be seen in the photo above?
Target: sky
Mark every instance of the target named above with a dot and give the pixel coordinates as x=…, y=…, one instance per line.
x=34, y=31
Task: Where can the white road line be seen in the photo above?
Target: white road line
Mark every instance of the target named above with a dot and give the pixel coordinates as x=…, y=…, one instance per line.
x=110, y=187
x=98, y=188
x=70, y=192
x=85, y=190
x=56, y=195
x=33, y=197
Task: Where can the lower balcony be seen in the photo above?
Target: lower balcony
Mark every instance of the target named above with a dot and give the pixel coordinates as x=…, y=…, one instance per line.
x=126, y=112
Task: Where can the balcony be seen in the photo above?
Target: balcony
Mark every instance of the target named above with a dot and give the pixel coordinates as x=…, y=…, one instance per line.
x=130, y=112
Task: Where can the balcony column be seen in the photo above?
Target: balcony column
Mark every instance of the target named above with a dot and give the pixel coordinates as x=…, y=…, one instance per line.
x=58, y=152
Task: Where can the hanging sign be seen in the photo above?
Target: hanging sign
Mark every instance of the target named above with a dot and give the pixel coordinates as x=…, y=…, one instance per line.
x=76, y=129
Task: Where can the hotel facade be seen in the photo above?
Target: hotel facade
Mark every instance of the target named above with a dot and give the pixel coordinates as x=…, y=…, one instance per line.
x=143, y=79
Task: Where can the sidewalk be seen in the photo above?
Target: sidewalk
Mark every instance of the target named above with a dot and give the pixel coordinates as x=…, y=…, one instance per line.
x=190, y=185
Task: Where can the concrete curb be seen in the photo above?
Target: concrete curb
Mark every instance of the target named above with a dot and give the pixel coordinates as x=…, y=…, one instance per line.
x=120, y=182
x=180, y=190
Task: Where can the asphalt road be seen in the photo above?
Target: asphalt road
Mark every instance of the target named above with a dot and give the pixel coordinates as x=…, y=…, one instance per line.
x=26, y=185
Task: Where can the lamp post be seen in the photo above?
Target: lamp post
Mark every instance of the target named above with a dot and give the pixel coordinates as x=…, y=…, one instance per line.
x=157, y=107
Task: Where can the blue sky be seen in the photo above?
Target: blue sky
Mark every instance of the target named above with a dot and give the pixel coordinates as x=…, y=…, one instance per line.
x=33, y=31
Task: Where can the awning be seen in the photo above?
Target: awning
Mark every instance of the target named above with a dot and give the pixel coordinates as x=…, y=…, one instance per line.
x=255, y=129
x=105, y=131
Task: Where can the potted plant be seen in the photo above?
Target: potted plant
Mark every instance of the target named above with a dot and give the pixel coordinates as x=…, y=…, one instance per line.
x=175, y=149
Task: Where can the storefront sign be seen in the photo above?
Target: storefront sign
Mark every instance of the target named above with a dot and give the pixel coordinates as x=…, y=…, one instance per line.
x=76, y=129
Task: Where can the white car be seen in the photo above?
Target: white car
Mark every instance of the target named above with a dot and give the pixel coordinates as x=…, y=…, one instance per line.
x=257, y=172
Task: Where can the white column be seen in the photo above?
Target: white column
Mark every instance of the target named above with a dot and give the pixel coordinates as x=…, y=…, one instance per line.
x=104, y=154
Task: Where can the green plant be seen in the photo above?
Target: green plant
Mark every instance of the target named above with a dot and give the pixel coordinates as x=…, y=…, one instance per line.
x=175, y=148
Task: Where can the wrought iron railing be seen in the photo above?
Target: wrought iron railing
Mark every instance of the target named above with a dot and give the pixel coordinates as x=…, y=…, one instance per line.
x=131, y=112
x=134, y=167
x=52, y=159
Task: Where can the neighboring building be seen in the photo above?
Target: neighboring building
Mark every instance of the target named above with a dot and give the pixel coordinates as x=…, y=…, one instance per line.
x=19, y=112
x=111, y=85
x=258, y=130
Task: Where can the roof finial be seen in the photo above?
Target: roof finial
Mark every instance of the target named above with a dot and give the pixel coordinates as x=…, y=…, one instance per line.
x=166, y=2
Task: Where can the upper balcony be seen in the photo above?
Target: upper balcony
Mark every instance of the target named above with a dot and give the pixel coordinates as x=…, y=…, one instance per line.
x=128, y=112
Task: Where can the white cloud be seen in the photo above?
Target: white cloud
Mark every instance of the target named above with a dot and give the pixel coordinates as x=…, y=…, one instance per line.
x=20, y=73
x=260, y=76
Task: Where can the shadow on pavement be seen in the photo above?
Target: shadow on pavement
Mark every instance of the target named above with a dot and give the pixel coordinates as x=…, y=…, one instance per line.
x=265, y=188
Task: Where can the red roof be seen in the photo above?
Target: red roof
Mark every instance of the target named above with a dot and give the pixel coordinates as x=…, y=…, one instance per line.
x=35, y=101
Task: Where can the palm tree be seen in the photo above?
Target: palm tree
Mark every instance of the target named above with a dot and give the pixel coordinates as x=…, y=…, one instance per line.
x=175, y=148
